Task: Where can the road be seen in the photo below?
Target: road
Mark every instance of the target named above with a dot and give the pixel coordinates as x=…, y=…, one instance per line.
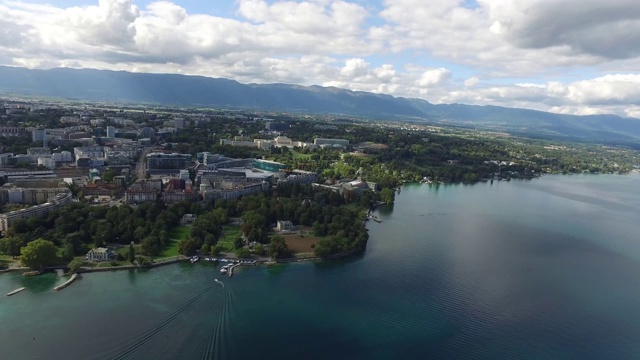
x=141, y=167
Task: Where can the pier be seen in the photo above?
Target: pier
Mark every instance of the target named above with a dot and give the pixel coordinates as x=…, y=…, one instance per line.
x=16, y=291
x=66, y=283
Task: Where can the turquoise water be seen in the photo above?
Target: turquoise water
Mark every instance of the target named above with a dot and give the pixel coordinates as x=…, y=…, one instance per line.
x=541, y=269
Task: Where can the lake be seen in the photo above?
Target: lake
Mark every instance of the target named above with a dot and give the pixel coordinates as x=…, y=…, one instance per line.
x=539, y=269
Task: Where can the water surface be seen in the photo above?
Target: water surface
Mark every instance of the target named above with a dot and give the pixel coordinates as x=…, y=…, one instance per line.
x=541, y=269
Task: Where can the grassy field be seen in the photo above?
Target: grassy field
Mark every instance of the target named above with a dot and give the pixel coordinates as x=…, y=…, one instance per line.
x=175, y=235
x=300, y=156
x=6, y=260
x=229, y=233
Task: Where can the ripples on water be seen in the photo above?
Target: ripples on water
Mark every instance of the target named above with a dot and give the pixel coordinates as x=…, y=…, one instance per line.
x=544, y=269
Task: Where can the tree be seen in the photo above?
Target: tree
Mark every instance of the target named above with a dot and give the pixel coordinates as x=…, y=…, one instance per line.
x=132, y=254
x=11, y=246
x=187, y=246
x=238, y=243
x=243, y=253
x=205, y=249
x=67, y=252
x=38, y=254
x=215, y=250
x=75, y=265
x=258, y=249
x=387, y=195
x=278, y=247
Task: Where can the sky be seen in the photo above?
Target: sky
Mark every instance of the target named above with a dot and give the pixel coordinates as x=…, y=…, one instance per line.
x=571, y=56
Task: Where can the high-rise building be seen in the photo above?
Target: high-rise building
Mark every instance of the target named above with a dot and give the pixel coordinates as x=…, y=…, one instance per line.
x=111, y=131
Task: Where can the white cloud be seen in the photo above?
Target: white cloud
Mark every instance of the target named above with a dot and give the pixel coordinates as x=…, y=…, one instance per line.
x=436, y=50
x=433, y=77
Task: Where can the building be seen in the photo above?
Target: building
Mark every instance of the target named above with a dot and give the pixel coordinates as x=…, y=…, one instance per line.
x=276, y=126
x=38, y=135
x=111, y=132
x=285, y=225
x=178, y=190
x=188, y=219
x=268, y=165
x=209, y=193
x=8, y=219
x=167, y=161
x=331, y=142
x=298, y=177
x=100, y=254
x=101, y=190
x=179, y=123
x=48, y=162
x=138, y=196
x=62, y=157
x=7, y=131
x=120, y=181
x=147, y=132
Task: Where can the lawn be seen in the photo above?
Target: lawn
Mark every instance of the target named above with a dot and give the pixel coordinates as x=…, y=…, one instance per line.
x=6, y=260
x=229, y=233
x=299, y=155
x=175, y=235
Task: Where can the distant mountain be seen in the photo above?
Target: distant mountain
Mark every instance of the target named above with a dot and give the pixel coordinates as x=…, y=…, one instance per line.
x=181, y=90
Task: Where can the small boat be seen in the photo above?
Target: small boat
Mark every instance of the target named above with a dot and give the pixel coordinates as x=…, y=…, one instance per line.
x=223, y=270
x=194, y=259
x=219, y=282
x=15, y=291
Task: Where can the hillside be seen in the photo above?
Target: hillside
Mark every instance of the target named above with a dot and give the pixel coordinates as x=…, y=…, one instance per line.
x=181, y=90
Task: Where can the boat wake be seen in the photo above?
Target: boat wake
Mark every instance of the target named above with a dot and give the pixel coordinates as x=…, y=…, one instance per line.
x=142, y=339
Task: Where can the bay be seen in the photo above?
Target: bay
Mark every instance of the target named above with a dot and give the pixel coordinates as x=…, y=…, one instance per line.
x=539, y=269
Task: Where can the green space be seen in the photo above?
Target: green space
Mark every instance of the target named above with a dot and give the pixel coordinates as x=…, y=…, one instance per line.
x=300, y=156
x=229, y=233
x=175, y=235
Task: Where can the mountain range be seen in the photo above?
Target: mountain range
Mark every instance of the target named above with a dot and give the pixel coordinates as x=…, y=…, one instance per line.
x=199, y=91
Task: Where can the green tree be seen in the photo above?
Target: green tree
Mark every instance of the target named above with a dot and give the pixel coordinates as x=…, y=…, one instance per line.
x=387, y=195
x=38, y=254
x=278, y=247
x=75, y=265
x=132, y=254
x=238, y=242
x=243, y=253
x=204, y=250
x=215, y=250
x=67, y=252
x=187, y=246
x=258, y=249
x=11, y=246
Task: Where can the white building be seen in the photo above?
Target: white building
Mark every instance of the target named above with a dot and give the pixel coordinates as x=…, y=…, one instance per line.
x=48, y=162
x=99, y=254
x=111, y=132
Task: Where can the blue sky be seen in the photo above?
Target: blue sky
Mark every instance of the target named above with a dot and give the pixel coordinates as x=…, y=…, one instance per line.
x=574, y=56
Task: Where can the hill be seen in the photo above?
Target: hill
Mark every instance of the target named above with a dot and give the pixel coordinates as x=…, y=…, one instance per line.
x=199, y=91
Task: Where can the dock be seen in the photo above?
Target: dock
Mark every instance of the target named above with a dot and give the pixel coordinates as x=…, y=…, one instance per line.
x=66, y=283
x=16, y=291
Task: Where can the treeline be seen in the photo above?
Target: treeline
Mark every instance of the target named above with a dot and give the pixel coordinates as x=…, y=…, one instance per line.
x=301, y=204
x=79, y=227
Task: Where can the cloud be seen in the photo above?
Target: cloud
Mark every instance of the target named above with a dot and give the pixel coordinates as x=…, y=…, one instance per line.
x=605, y=29
x=575, y=56
x=433, y=77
